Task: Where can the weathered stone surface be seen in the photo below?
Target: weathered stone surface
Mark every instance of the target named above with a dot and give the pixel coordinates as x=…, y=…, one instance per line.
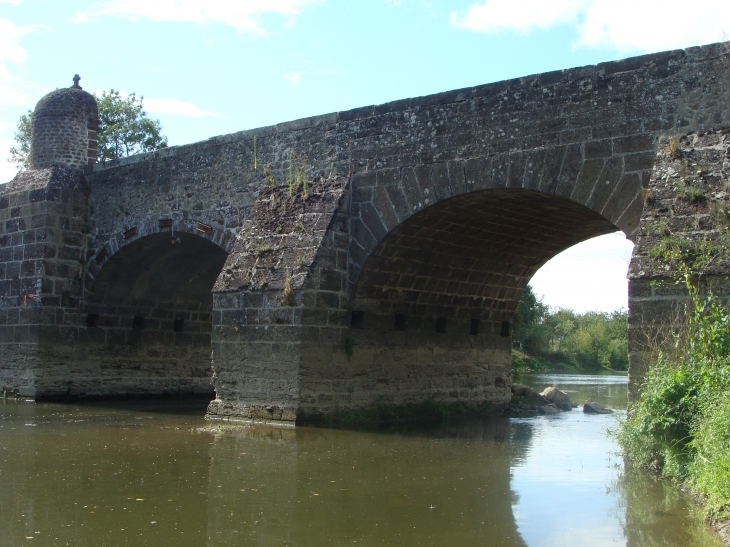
x=65, y=124
x=398, y=283
x=524, y=397
x=686, y=205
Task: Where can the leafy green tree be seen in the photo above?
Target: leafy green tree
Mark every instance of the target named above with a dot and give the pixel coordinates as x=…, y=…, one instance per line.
x=529, y=329
x=124, y=130
x=561, y=337
x=20, y=155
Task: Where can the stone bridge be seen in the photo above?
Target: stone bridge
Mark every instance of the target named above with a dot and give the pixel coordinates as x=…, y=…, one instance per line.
x=335, y=261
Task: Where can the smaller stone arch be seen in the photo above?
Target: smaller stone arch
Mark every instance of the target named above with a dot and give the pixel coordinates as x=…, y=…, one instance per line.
x=148, y=309
x=111, y=245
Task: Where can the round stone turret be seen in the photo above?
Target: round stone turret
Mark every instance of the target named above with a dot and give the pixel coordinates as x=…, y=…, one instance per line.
x=64, y=128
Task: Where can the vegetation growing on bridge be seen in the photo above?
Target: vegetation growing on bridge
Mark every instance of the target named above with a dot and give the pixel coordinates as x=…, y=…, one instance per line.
x=679, y=426
x=559, y=338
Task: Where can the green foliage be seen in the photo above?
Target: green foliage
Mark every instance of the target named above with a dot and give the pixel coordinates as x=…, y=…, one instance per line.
x=297, y=175
x=349, y=347
x=20, y=155
x=550, y=339
x=679, y=427
x=683, y=253
x=124, y=127
x=124, y=130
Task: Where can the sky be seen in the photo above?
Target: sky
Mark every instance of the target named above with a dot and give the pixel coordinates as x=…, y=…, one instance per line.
x=211, y=67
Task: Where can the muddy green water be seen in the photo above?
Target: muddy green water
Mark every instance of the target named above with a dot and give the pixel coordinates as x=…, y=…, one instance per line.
x=144, y=474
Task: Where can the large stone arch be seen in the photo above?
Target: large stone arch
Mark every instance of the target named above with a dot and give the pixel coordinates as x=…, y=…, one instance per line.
x=607, y=176
x=439, y=256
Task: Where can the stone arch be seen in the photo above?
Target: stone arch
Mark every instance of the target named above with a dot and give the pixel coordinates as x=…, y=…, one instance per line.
x=470, y=257
x=148, y=313
x=111, y=245
x=607, y=177
x=439, y=256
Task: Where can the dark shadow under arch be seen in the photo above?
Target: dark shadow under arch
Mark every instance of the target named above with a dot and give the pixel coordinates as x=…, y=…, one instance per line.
x=477, y=250
x=149, y=311
x=431, y=311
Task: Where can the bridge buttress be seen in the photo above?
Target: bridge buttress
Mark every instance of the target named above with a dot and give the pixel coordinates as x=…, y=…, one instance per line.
x=42, y=215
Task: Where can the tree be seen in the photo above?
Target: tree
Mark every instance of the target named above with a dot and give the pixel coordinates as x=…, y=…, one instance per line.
x=20, y=155
x=124, y=130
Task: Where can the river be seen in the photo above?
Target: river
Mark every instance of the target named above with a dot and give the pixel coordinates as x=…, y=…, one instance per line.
x=147, y=473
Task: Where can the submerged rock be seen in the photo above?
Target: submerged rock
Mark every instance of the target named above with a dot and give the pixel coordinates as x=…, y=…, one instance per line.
x=549, y=409
x=558, y=398
x=594, y=408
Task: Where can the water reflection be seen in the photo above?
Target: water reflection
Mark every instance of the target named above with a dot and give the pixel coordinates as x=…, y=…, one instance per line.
x=309, y=486
x=144, y=474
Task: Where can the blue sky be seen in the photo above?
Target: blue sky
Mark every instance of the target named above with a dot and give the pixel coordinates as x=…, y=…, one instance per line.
x=213, y=67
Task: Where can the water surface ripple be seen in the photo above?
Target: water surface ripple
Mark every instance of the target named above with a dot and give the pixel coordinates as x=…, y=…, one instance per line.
x=145, y=474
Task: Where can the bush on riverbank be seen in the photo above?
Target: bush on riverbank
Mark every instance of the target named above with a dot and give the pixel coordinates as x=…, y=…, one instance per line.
x=680, y=425
x=560, y=339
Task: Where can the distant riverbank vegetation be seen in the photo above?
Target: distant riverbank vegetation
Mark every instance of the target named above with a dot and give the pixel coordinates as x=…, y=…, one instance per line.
x=560, y=339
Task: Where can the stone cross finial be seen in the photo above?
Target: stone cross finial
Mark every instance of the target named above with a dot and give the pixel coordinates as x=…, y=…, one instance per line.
x=77, y=78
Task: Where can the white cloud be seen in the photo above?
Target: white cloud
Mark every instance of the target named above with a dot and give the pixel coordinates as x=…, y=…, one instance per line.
x=293, y=78
x=14, y=89
x=590, y=276
x=10, y=49
x=243, y=15
x=522, y=16
x=174, y=106
x=625, y=25
x=10, y=1
x=653, y=26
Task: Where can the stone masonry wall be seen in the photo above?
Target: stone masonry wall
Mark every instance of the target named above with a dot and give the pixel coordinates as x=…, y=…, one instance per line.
x=585, y=136
x=685, y=220
x=42, y=251
x=289, y=267
x=64, y=129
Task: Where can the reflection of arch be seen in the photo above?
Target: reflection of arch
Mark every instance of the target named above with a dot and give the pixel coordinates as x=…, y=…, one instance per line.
x=105, y=251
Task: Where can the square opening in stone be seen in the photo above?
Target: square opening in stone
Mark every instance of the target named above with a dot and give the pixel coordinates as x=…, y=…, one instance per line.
x=178, y=325
x=506, y=328
x=138, y=322
x=92, y=320
x=474, y=327
x=401, y=321
x=441, y=324
x=357, y=320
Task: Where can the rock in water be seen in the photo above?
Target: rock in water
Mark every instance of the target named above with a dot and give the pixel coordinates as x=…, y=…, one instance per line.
x=594, y=408
x=549, y=409
x=526, y=397
x=558, y=398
